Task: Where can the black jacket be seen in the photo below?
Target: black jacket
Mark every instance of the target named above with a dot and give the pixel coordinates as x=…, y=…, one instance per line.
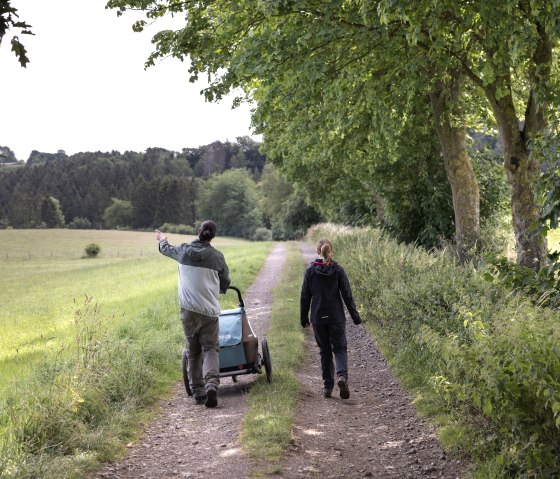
x=324, y=287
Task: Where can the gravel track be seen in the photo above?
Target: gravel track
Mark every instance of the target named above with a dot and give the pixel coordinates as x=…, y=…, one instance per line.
x=376, y=433
x=191, y=441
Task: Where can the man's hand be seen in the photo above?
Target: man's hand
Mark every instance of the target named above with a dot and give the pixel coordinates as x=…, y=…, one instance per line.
x=160, y=236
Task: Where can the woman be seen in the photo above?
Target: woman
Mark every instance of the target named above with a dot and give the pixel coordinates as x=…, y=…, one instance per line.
x=325, y=285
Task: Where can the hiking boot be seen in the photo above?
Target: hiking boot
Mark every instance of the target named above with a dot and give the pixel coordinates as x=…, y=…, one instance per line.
x=343, y=386
x=327, y=393
x=211, y=398
x=200, y=399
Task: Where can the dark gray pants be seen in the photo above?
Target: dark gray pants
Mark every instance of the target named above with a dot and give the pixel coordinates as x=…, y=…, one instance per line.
x=331, y=339
x=203, y=351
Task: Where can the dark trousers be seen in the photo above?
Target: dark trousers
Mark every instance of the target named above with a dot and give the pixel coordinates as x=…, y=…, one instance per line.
x=331, y=339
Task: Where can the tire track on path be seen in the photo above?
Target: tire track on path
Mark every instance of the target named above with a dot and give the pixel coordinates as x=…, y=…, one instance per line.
x=375, y=433
x=191, y=441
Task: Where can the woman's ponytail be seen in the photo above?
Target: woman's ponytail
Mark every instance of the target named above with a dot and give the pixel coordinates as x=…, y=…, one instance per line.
x=324, y=248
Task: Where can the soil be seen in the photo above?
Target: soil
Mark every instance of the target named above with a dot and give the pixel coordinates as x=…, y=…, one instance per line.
x=375, y=433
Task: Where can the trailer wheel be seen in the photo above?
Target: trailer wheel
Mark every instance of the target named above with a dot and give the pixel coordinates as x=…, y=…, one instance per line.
x=266, y=360
x=185, y=367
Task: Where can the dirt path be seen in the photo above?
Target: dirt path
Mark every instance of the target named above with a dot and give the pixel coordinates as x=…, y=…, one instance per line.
x=375, y=433
x=190, y=441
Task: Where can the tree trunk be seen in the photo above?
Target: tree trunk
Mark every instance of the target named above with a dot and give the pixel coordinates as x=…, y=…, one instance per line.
x=522, y=169
x=452, y=135
x=522, y=166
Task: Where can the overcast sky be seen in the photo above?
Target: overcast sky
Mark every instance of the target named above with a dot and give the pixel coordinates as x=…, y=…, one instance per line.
x=85, y=88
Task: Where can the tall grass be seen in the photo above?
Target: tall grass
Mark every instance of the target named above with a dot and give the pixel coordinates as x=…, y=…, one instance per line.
x=267, y=426
x=87, y=345
x=483, y=361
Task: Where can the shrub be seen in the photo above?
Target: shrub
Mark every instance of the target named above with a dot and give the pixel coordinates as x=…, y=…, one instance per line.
x=262, y=234
x=92, y=250
x=79, y=223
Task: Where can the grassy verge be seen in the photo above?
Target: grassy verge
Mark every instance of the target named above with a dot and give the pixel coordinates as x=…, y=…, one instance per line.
x=266, y=429
x=88, y=345
x=483, y=363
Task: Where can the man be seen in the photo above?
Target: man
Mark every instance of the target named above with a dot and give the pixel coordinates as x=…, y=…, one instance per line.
x=203, y=274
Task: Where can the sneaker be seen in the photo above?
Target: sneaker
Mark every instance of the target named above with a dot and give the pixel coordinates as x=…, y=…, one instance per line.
x=211, y=398
x=343, y=386
x=200, y=399
x=327, y=392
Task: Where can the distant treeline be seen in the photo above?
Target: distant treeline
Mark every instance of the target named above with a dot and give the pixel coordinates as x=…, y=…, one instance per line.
x=161, y=184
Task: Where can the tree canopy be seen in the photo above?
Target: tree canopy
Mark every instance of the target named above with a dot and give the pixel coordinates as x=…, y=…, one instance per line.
x=160, y=184
x=337, y=83
x=231, y=200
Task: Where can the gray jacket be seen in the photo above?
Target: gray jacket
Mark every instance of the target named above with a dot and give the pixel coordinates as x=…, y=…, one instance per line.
x=203, y=275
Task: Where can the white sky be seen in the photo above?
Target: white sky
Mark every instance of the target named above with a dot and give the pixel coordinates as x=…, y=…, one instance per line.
x=85, y=88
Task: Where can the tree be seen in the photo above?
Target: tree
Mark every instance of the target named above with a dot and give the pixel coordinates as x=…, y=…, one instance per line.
x=22, y=212
x=506, y=50
x=51, y=213
x=85, y=183
x=254, y=157
x=274, y=191
x=297, y=216
x=285, y=210
x=332, y=82
x=174, y=201
x=143, y=204
x=212, y=160
x=452, y=134
x=118, y=214
x=7, y=155
x=231, y=200
x=9, y=19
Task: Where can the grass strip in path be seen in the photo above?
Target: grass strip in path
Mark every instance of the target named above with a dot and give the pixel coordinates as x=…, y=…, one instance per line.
x=267, y=426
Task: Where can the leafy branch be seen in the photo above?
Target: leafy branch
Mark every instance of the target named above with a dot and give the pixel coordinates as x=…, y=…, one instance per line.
x=9, y=20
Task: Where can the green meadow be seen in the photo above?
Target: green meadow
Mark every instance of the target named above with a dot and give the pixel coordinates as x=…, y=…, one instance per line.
x=40, y=296
x=88, y=345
